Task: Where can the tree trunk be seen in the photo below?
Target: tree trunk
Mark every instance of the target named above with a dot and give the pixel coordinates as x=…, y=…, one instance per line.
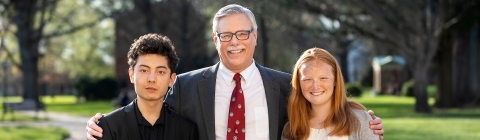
x=28, y=38
x=264, y=38
x=29, y=55
x=445, y=97
x=462, y=73
x=420, y=75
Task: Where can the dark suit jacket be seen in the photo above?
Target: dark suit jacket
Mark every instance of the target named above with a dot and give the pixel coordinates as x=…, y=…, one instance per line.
x=121, y=124
x=193, y=97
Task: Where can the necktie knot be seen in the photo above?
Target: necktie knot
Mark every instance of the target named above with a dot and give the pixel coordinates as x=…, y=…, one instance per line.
x=237, y=78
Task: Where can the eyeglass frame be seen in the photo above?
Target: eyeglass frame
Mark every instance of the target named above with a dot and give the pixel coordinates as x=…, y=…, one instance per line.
x=234, y=34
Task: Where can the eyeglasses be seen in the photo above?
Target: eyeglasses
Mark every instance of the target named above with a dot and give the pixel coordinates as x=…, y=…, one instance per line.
x=241, y=35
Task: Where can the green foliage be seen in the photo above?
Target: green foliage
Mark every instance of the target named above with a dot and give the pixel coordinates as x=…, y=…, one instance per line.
x=432, y=90
x=407, y=88
x=97, y=89
x=354, y=90
x=33, y=133
x=85, y=52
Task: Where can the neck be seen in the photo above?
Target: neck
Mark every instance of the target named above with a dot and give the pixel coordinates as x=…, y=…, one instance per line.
x=150, y=109
x=319, y=115
x=237, y=69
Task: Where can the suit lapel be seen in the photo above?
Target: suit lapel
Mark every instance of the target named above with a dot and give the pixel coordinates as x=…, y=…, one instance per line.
x=272, y=90
x=130, y=121
x=206, y=91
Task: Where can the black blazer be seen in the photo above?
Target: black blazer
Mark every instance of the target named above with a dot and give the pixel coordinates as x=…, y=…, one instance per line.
x=193, y=97
x=121, y=124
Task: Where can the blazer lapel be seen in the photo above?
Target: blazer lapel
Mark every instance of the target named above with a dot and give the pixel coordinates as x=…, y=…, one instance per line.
x=130, y=121
x=206, y=91
x=272, y=90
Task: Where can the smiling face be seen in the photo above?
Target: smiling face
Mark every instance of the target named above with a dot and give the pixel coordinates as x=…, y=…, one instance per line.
x=317, y=82
x=151, y=77
x=235, y=54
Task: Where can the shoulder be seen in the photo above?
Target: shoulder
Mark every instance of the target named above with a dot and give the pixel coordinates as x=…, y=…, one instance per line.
x=112, y=118
x=364, y=131
x=273, y=71
x=114, y=114
x=275, y=75
x=197, y=72
x=362, y=115
x=181, y=121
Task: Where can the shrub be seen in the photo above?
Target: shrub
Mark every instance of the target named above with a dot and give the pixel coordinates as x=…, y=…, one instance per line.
x=97, y=89
x=407, y=88
x=354, y=90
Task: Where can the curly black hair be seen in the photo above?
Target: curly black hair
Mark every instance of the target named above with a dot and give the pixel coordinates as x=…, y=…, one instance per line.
x=153, y=44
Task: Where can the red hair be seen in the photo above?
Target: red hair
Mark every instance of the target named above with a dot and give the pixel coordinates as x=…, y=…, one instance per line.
x=341, y=119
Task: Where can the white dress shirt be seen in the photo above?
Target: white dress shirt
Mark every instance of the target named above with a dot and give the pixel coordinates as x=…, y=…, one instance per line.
x=256, y=112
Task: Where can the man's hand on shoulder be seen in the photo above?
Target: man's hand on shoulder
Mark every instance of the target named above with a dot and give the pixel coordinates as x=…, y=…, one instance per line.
x=376, y=124
x=93, y=129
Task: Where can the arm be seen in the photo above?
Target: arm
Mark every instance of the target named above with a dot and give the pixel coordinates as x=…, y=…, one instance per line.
x=93, y=129
x=364, y=132
x=376, y=124
x=104, y=124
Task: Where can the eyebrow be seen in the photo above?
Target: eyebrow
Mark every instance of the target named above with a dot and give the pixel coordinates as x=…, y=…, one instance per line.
x=141, y=65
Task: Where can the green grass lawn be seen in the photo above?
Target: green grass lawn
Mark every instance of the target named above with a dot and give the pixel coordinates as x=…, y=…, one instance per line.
x=401, y=122
x=31, y=133
x=68, y=104
x=16, y=116
x=399, y=118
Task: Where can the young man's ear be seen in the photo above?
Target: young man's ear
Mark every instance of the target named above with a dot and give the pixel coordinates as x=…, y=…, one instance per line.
x=130, y=74
x=173, y=77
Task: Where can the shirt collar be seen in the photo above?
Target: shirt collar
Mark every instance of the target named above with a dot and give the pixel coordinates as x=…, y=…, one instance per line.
x=247, y=74
x=143, y=121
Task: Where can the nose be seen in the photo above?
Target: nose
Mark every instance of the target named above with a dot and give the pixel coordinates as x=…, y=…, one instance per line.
x=234, y=40
x=316, y=84
x=151, y=77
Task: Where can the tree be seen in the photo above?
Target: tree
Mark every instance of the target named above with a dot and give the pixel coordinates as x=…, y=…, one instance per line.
x=31, y=18
x=179, y=20
x=412, y=28
x=457, y=61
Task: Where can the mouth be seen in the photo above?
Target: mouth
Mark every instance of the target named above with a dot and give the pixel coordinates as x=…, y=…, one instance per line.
x=236, y=49
x=151, y=89
x=317, y=93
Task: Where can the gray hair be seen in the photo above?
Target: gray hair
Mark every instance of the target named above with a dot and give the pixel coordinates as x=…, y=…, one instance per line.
x=231, y=10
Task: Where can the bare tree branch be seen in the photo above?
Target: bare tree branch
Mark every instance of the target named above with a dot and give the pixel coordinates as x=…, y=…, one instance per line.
x=453, y=21
x=9, y=54
x=73, y=29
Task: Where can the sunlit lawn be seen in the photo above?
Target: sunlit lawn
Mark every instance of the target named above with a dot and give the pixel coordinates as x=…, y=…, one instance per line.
x=399, y=119
x=32, y=133
x=15, y=116
x=68, y=104
x=401, y=122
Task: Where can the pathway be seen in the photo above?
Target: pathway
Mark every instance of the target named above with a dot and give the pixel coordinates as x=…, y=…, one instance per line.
x=74, y=124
